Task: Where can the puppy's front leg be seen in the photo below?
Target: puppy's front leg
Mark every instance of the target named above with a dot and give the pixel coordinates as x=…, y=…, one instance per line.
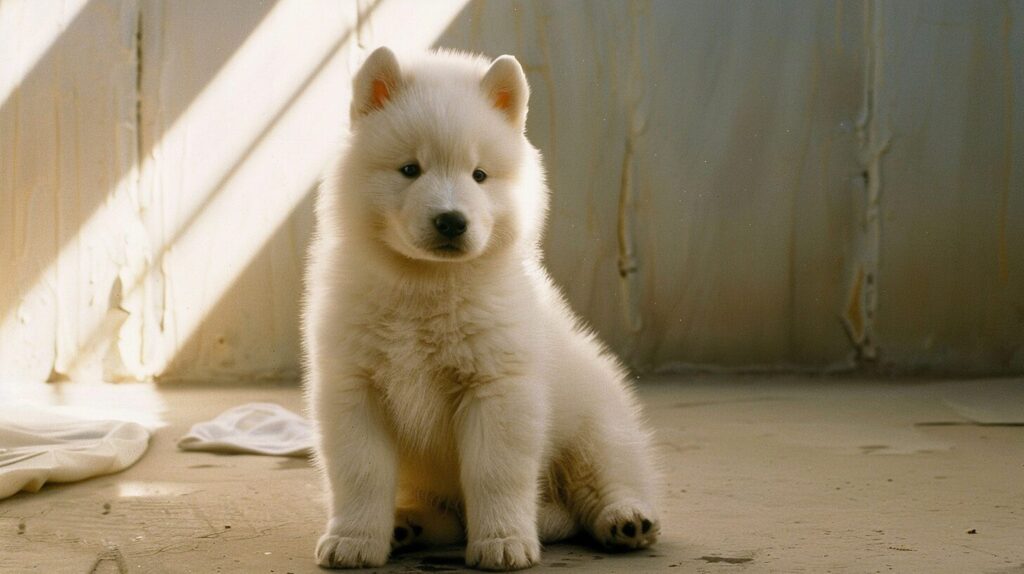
x=500, y=443
x=360, y=464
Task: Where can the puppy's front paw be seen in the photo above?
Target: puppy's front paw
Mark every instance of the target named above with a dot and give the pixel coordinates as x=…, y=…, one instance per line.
x=333, y=551
x=503, y=553
x=626, y=525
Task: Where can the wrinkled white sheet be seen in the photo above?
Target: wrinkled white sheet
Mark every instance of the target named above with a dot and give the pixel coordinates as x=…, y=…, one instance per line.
x=41, y=444
x=253, y=428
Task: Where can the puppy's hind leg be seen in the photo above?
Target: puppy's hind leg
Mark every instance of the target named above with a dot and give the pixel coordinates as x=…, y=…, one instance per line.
x=555, y=522
x=609, y=484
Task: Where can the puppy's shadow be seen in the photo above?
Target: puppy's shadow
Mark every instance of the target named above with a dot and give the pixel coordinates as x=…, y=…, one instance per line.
x=435, y=559
x=574, y=552
x=293, y=463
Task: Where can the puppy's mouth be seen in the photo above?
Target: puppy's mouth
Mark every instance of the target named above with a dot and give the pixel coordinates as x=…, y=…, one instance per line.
x=448, y=249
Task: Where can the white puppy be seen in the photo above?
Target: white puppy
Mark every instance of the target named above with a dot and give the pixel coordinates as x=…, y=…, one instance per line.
x=456, y=396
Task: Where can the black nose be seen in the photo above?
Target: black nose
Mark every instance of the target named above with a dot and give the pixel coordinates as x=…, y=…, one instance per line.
x=451, y=224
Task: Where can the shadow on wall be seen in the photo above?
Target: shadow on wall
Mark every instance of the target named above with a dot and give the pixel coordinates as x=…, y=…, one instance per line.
x=700, y=192
x=734, y=184
x=211, y=352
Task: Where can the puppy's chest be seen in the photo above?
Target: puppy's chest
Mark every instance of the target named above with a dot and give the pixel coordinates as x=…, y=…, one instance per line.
x=453, y=343
x=426, y=358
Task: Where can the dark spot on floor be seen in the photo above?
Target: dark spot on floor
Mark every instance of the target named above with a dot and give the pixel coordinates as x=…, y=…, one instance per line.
x=457, y=560
x=440, y=564
x=433, y=568
x=725, y=560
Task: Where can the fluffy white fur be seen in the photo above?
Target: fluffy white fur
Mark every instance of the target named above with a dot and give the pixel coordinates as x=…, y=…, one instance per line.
x=456, y=395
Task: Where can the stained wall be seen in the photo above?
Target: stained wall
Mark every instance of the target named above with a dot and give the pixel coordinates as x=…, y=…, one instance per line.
x=812, y=186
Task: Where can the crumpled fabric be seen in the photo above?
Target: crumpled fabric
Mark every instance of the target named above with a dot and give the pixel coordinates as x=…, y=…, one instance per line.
x=252, y=428
x=41, y=444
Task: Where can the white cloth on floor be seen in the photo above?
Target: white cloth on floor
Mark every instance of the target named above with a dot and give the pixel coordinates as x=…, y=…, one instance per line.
x=252, y=428
x=41, y=444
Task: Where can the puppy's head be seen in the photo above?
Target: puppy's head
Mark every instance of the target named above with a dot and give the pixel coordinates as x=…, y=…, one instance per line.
x=438, y=160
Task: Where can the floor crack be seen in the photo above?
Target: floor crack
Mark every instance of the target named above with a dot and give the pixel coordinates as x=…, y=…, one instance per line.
x=110, y=556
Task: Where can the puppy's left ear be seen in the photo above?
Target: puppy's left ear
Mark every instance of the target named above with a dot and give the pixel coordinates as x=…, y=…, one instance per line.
x=505, y=87
x=376, y=83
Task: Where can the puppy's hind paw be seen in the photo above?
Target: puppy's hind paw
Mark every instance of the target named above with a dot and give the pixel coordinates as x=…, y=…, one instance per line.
x=405, y=534
x=626, y=526
x=334, y=551
x=503, y=553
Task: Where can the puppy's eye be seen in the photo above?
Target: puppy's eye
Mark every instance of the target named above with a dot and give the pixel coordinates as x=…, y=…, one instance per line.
x=410, y=171
x=479, y=175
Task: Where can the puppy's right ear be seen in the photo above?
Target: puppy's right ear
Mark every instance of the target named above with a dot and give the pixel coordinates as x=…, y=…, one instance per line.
x=376, y=83
x=505, y=85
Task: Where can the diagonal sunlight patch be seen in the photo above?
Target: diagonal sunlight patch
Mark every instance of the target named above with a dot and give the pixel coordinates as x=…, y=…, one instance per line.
x=73, y=128
x=20, y=52
x=224, y=182
x=226, y=176
x=92, y=401
x=140, y=489
x=127, y=308
x=408, y=25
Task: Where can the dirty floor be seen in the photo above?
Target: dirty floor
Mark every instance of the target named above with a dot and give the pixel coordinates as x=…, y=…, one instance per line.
x=763, y=474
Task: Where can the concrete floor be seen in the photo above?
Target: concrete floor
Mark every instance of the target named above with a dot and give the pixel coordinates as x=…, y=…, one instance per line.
x=763, y=474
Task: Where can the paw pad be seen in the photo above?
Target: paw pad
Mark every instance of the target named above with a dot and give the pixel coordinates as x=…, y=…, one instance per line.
x=626, y=526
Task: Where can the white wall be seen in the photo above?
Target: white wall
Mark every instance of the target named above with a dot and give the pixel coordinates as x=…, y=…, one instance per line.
x=737, y=185
x=67, y=195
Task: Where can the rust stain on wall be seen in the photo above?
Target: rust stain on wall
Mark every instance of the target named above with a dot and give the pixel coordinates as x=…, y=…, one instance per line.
x=1006, y=174
x=874, y=141
x=853, y=318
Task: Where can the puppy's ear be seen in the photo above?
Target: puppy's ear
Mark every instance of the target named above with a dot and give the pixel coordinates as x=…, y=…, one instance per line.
x=505, y=87
x=376, y=83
